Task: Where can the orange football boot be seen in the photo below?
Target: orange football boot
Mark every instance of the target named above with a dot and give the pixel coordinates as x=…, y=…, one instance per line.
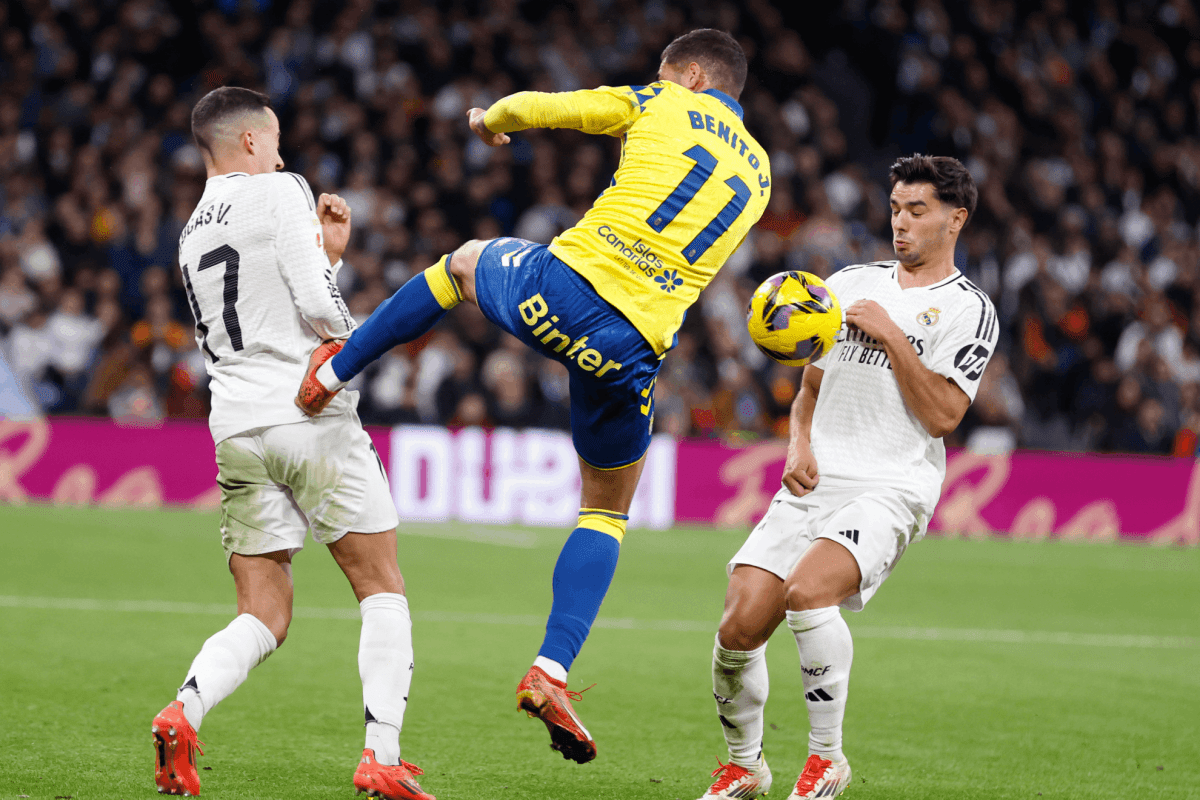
x=388, y=782
x=313, y=397
x=175, y=747
x=550, y=701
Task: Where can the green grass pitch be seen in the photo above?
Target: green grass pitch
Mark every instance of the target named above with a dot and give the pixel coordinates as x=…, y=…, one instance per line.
x=983, y=669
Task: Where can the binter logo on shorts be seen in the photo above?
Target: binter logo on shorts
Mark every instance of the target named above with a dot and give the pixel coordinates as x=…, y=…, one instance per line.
x=589, y=359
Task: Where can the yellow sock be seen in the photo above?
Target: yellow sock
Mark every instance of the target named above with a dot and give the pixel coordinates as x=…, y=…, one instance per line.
x=597, y=519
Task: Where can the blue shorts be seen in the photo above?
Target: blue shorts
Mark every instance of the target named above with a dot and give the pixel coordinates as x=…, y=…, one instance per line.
x=528, y=292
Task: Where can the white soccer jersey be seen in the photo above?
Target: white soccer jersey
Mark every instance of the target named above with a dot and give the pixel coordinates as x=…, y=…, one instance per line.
x=263, y=294
x=862, y=431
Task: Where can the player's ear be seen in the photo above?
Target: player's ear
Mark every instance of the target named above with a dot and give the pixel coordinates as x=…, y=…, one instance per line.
x=958, y=219
x=687, y=77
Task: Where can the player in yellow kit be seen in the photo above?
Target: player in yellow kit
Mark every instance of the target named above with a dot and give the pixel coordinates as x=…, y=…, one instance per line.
x=606, y=298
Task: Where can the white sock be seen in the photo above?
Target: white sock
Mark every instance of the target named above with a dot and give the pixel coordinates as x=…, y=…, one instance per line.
x=826, y=652
x=552, y=668
x=328, y=377
x=740, y=687
x=385, y=664
x=223, y=663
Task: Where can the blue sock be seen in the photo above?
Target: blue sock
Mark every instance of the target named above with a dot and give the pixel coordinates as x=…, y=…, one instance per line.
x=581, y=578
x=408, y=314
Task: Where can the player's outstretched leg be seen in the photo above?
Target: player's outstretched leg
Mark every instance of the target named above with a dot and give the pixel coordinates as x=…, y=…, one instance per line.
x=408, y=314
x=220, y=667
x=582, y=576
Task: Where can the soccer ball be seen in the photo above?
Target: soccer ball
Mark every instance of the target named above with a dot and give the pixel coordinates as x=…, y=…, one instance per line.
x=794, y=318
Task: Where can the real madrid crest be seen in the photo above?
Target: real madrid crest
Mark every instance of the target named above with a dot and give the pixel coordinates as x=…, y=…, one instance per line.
x=929, y=317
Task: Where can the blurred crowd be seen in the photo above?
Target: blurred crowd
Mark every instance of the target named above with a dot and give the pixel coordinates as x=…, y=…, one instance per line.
x=1079, y=121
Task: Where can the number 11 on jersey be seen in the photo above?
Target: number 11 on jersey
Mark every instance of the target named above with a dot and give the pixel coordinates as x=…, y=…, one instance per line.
x=687, y=189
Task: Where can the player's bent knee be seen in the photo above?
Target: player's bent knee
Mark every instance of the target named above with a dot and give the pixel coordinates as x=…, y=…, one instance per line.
x=805, y=595
x=465, y=258
x=733, y=635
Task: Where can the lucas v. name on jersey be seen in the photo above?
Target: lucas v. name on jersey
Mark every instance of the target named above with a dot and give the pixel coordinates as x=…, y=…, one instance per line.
x=214, y=214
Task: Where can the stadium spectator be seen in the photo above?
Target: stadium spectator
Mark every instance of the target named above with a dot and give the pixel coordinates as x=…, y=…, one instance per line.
x=1079, y=123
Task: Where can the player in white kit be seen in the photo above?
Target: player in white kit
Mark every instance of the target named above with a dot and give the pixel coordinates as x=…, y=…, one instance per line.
x=258, y=258
x=864, y=470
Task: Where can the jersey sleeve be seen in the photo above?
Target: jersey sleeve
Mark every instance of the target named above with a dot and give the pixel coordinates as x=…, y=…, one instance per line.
x=305, y=267
x=605, y=110
x=963, y=351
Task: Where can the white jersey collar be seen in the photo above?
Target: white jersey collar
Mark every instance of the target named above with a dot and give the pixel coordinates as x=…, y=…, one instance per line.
x=944, y=282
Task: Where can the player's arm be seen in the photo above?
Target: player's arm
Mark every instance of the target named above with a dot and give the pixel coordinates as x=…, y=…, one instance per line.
x=800, y=474
x=300, y=241
x=596, y=111
x=934, y=399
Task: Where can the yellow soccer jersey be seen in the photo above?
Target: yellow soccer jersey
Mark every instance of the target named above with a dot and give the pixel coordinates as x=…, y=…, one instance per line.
x=691, y=184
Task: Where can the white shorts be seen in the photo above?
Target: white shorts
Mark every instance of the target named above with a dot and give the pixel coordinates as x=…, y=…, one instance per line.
x=874, y=524
x=282, y=481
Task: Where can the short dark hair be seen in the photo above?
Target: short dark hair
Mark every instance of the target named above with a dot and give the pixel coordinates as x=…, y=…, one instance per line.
x=717, y=52
x=222, y=104
x=951, y=180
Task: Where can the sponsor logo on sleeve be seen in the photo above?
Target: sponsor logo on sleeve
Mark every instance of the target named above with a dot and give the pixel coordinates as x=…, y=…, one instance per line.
x=971, y=360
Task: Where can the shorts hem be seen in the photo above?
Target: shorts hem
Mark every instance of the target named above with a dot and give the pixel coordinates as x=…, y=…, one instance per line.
x=854, y=602
x=618, y=466
x=735, y=562
x=251, y=552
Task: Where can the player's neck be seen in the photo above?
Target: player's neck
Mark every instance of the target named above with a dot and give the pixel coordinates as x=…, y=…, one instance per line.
x=225, y=166
x=927, y=273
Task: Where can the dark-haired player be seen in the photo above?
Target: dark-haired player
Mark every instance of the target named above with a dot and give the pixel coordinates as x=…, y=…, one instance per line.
x=258, y=258
x=606, y=299
x=871, y=414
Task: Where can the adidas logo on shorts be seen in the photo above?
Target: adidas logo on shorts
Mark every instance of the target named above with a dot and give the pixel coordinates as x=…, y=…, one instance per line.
x=852, y=535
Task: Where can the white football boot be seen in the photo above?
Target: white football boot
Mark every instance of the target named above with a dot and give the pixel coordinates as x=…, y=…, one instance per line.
x=821, y=778
x=735, y=782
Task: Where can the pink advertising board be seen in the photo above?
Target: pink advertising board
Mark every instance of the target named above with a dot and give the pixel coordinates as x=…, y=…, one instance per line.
x=1022, y=494
x=82, y=461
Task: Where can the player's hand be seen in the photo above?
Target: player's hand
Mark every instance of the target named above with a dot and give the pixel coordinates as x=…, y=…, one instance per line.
x=334, y=214
x=871, y=318
x=313, y=397
x=475, y=119
x=800, y=474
